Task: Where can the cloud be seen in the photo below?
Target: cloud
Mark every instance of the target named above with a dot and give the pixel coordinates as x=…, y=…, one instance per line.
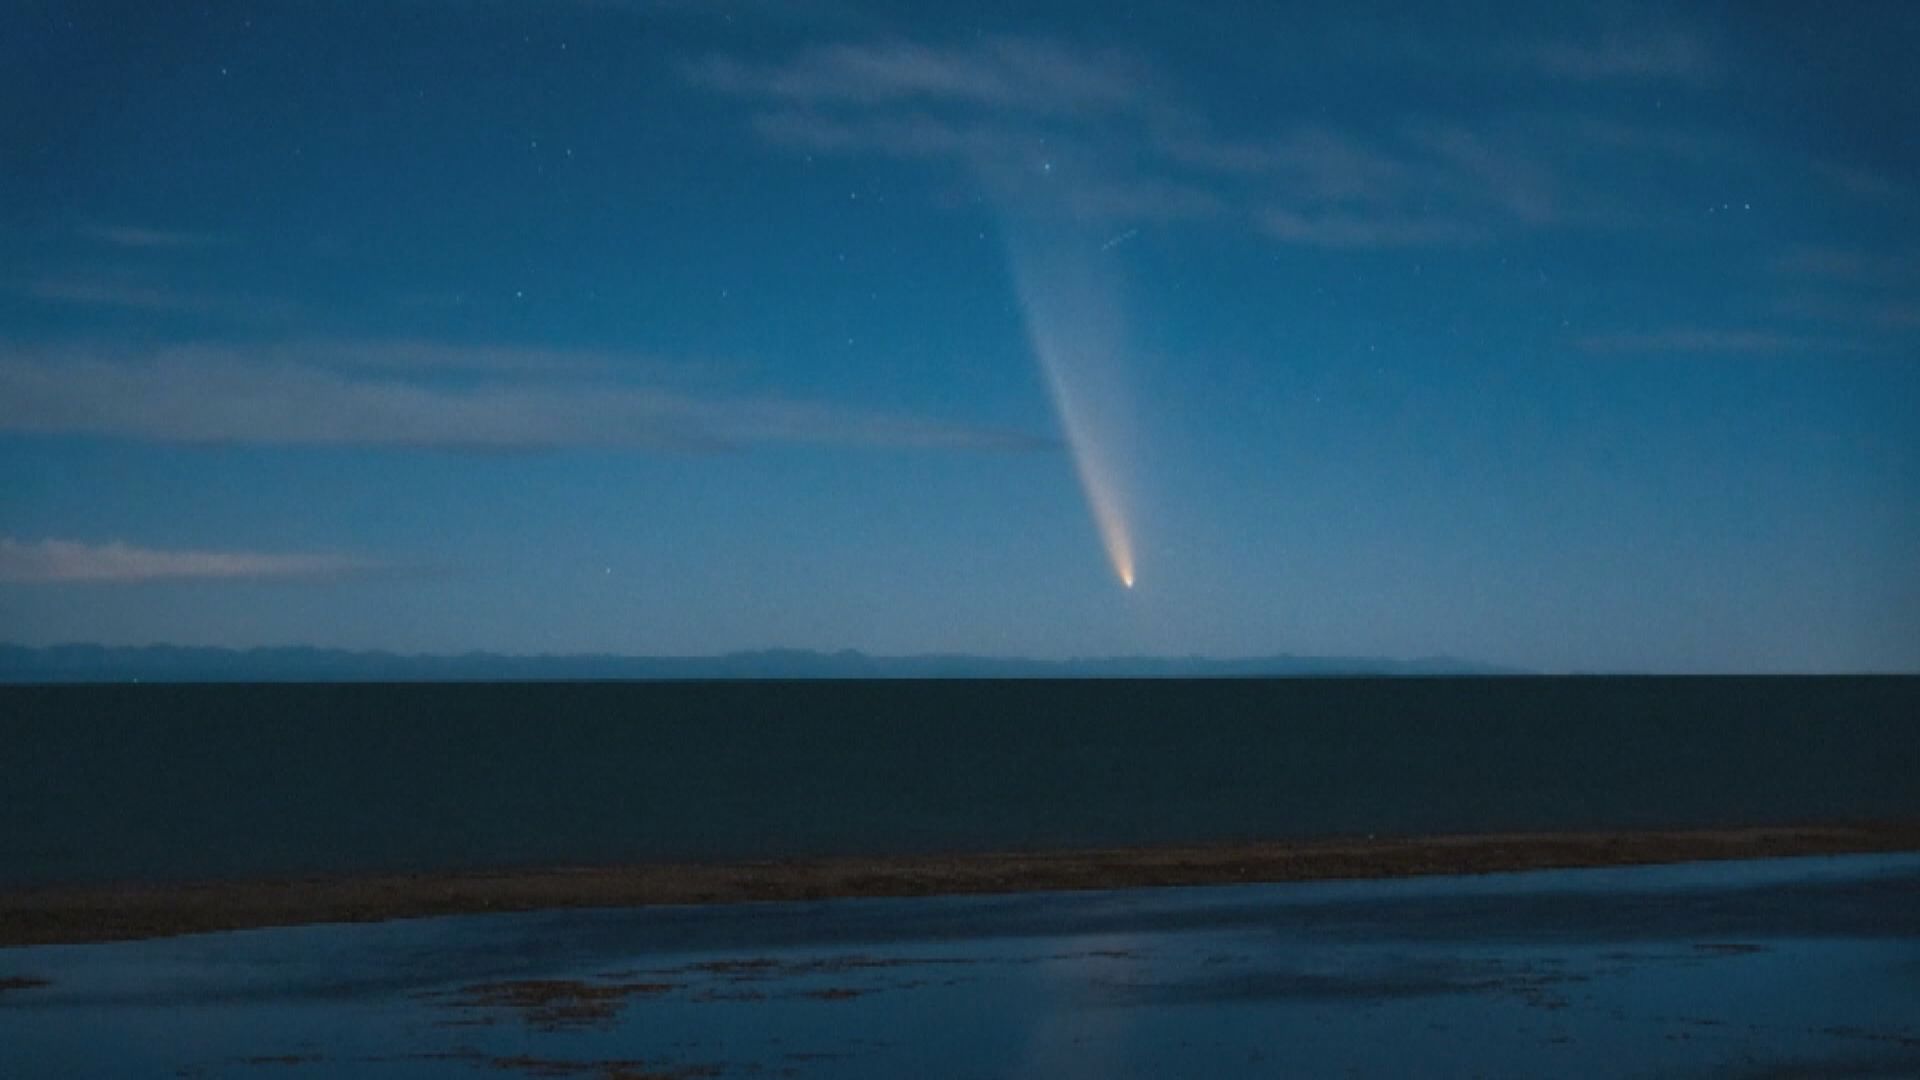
x=1015, y=162
x=1860, y=183
x=133, y=295
x=742, y=11
x=1022, y=74
x=908, y=135
x=1312, y=163
x=1131, y=148
x=1517, y=183
x=1128, y=144
x=1860, y=312
x=1367, y=232
x=1662, y=144
x=415, y=357
x=133, y=236
x=1861, y=291
x=116, y=294
x=1847, y=265
x=1663, y=54
x=70, y=561
x=1899, y=314
x=1417, y=184
x=227, y=394
x=1140, y=199
x=1031, y=121
x=1703, y=341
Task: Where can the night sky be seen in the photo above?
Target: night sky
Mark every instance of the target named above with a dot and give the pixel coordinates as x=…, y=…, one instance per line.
x=1571, y=338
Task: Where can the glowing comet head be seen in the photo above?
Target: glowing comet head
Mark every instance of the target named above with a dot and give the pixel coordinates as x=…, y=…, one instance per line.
x=1105, y=503
x=1107, y=518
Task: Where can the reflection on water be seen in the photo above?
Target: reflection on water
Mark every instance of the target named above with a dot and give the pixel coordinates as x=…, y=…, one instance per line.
x=1744, y=969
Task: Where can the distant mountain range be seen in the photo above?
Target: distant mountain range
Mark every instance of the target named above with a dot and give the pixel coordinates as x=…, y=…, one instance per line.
x=171, y=663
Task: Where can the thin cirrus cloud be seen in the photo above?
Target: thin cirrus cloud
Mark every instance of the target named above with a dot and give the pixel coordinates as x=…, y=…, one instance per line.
x=132, y=294
x=1640, y=55
x=1316, y=162
x=1344, y=230
x=1023, y=74
x=136, y=236
x=119, y=294
x=1849, y=265
x=345, y=396
x=1131, y=146
x=1698, y=341
x=1865, y=292
x=415, y=357
x=1862, y=183
x=1106, y=136
x=54, y=562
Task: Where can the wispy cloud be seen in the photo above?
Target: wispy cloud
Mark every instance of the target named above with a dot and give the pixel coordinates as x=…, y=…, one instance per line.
x=225, y=394
x=1899, y=314
x=1860, y=312
x=412, y=357
x=1849, y=265
x=70, y=561
x=1519, y=184
x=1862, y=291
x=1640, y=54
x=1011, y=158
x=1133, y=147
x=1861, y=183
x=1367, y=232
x=1694, y=340
x=134, y=295
x=116, y=294
x=1023, y=74
x=1423, y=183
x=134, y=236
x=902, y=135
x=1314, y=163
x=1140, y=199
x=755, y=11
x=1031, y=120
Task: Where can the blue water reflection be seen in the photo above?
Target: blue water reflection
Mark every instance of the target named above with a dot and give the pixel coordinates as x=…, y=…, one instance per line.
x=1730, y=969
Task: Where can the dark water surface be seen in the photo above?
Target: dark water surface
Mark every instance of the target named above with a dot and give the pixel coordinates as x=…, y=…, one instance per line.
x=170, y=782
x=1791, y=967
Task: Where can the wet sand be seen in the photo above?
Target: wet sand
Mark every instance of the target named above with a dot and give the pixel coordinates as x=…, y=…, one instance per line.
x=77, y=914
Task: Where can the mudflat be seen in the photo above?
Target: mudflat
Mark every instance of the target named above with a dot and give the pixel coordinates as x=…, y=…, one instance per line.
x=93, y=913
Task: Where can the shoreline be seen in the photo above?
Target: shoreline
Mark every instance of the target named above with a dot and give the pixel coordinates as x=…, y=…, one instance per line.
x=81, y=914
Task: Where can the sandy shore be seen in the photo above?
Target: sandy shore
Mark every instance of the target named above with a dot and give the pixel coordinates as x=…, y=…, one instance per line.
x=113, y=913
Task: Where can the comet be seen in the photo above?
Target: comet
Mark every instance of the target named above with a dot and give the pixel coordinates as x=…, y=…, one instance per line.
x=1072, y=315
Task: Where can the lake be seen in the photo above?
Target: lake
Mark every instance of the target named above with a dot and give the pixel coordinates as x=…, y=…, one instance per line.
x=168, y=782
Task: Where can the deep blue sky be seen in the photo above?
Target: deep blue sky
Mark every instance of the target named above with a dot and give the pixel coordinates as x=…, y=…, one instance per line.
x=1558, y=336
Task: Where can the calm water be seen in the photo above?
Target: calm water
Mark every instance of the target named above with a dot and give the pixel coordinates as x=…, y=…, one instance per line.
x=1796, y=967
x=197, y=781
